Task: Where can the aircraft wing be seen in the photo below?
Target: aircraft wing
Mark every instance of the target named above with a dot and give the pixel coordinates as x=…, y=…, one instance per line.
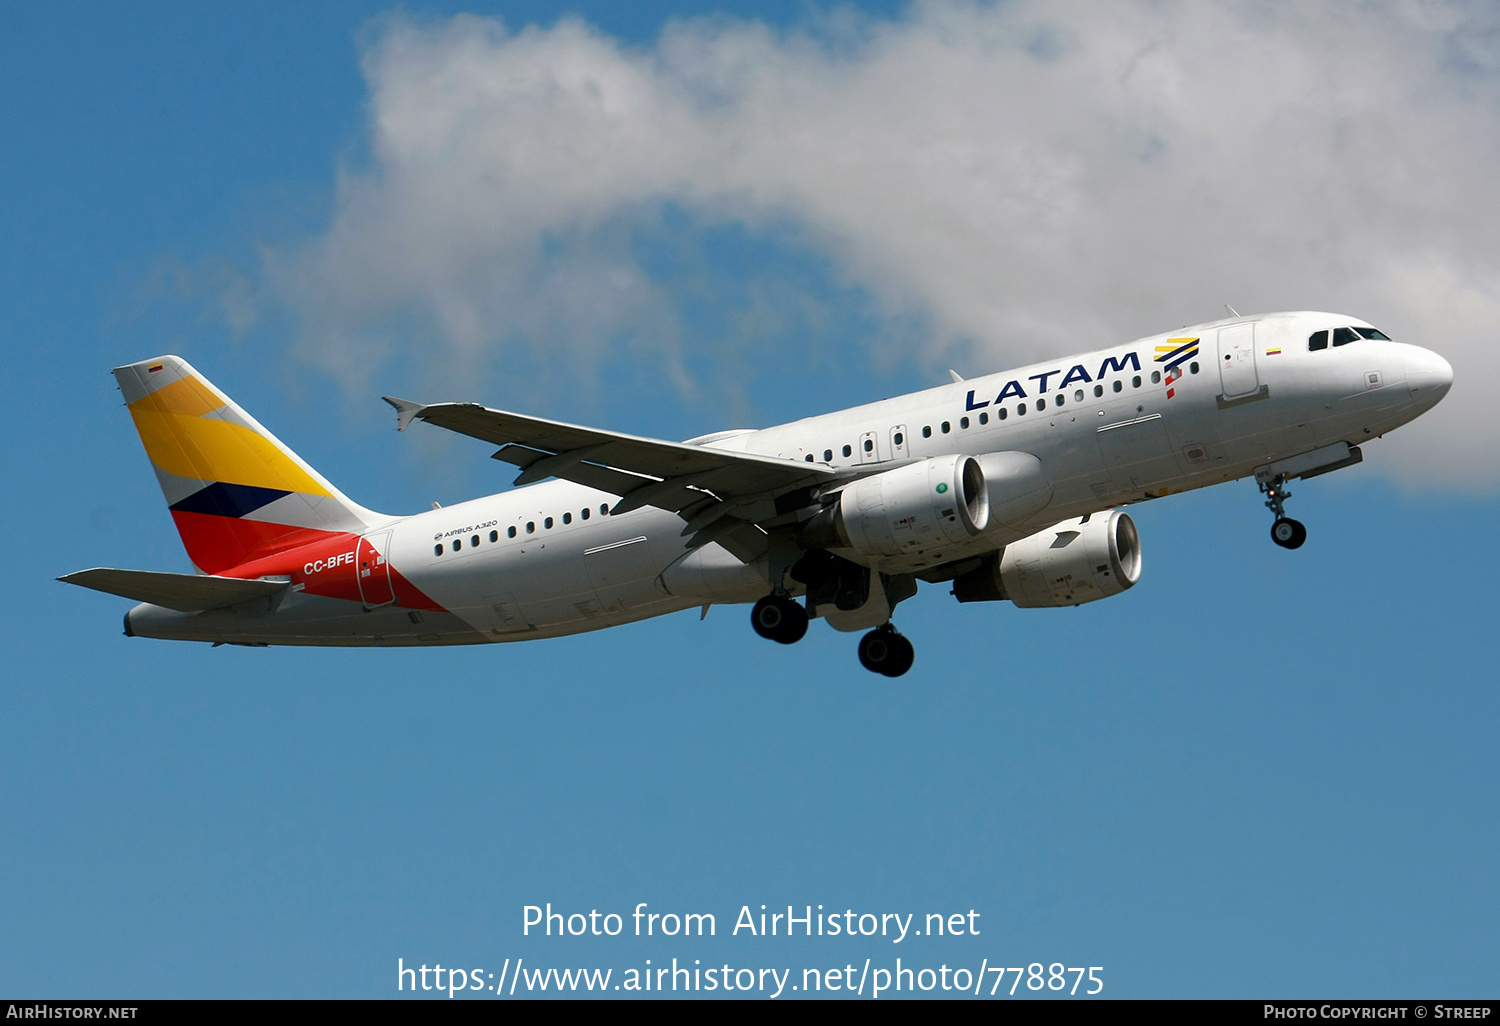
x=701, y=483
x=186, y=593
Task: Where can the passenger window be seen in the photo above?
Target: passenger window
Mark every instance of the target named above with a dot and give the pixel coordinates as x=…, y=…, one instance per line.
x=947, y=427
x=494, y=537
x=1020, y=409
x=1078, y=396
x=547, y=523
x=1118, y=386
x=1156, y=377
x=1343, y=336
x=984, y=418
x=827, y=455
x=899, y=438
x=869, y=445
x=604, y=509
x=963, y=422
x=1193, y=366
x=927, y=431
x=1041, y=404
x=567, y=518
x=1098, y=391
x=1057, y=400
x=809, y=457
x=531, y=527
x=1135, y=382
x=457, y=544
x=1002, y=414
x=848, y=450
x=474, y=541
x=1317, y=340
x=510, y=532
x=585, y=513
x=437, y=550
x=1373, y=334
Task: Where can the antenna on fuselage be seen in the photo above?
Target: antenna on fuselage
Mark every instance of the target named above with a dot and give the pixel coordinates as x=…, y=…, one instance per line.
x=956, y=376
x=1232, y=311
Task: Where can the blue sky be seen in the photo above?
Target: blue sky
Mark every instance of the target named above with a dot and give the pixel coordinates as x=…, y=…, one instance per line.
x=1257, y=773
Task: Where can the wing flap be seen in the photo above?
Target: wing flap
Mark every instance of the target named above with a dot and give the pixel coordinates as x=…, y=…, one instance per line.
x=186, y=593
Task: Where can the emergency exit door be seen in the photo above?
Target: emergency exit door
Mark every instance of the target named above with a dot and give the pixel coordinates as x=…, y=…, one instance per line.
x=898, y=442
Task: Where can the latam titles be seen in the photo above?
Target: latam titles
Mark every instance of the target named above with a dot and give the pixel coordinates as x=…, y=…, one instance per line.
x=1077, y=373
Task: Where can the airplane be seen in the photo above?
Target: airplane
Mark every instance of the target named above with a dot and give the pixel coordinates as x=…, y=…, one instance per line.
x=1005, y=487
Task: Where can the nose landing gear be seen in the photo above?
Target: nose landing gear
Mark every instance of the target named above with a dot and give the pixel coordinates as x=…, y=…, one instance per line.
x=1286, y=532
x=885, y=651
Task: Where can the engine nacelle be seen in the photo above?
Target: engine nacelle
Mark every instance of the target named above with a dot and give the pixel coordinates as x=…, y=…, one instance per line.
x=1018, y=486
x=1068, y=564
x=938, y=501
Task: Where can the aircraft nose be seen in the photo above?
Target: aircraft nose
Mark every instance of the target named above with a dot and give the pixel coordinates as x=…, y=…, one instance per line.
x=1428, y=375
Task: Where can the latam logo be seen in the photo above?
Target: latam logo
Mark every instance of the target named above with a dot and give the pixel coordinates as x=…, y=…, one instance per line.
x=1078, y=372
x=1173, y=355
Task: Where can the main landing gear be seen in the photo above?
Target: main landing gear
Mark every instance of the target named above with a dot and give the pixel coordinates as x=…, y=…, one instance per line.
x=883, y=650
x=778, y=618
x=1286, y=532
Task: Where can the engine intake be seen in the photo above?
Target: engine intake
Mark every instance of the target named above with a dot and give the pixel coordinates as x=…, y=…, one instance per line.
x=1068, y=564
x=937, y=501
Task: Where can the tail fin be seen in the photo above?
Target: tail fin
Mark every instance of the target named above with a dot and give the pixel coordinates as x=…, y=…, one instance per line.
x=236, y=493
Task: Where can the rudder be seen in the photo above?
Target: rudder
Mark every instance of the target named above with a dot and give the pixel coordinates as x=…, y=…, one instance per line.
x=236, y=493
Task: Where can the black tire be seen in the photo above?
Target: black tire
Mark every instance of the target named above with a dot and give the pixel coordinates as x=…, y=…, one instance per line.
x=885, y=652
x=905, y=656
x=779, y=619
x=1288, y=533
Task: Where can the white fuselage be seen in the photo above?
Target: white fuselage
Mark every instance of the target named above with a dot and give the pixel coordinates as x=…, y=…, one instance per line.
x=548, y=560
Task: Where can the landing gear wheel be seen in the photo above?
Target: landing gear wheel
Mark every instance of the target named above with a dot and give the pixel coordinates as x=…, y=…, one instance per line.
x=1288, y=533
x=886, y=652
x=778, y=618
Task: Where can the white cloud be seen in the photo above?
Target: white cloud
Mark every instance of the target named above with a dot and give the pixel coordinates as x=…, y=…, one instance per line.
x=1025, y=178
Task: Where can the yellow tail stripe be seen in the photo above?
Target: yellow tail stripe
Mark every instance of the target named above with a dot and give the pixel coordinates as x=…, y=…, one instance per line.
x=186, y=396
x=210, y=449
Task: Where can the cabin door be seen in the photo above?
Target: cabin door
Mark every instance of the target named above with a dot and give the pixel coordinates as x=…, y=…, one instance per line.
x=372, y=558
x=1237, y=372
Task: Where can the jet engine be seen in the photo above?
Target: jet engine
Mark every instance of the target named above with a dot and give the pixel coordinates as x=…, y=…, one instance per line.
x=1068, y=564
x=939, y=500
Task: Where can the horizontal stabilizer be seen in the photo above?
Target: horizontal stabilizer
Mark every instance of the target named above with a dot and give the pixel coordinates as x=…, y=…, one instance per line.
x=186, y=593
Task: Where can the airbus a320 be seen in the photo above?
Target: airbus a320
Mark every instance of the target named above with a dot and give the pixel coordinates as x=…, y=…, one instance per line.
x=1005, y=487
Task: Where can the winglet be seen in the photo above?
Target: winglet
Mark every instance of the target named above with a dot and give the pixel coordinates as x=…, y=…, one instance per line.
x=406, y=410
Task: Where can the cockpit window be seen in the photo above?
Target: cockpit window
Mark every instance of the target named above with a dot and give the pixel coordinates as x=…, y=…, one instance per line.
x=1343, y=336
x=1372, y=333
x=1317, y=340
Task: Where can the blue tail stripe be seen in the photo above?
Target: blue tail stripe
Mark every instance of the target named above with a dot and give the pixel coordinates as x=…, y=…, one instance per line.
x=228, y=500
